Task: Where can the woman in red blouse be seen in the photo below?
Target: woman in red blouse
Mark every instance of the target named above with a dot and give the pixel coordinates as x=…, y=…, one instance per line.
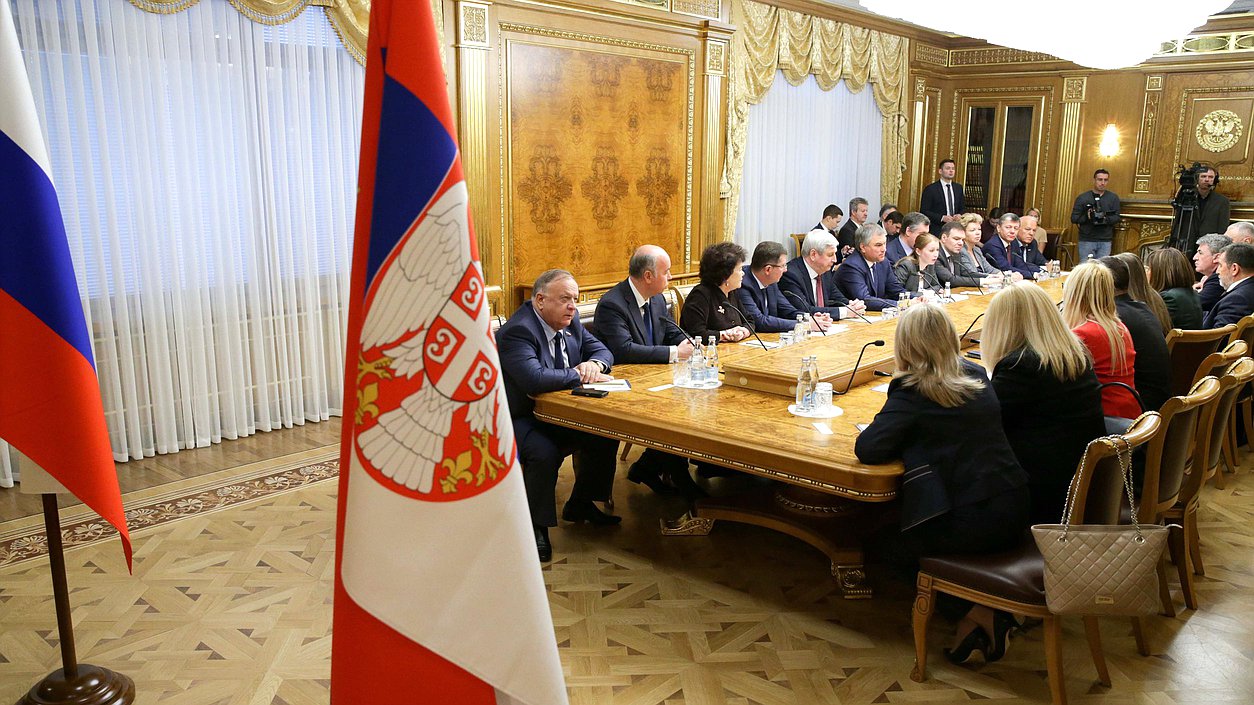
x=1089, y=311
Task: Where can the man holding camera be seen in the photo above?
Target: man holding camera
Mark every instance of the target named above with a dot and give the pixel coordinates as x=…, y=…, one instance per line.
x=1096, y=212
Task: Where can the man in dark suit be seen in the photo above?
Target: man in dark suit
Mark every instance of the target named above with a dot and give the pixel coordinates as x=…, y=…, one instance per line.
x=810, y=284
x=1205, y=262
x=857, y=216
x=997, y=250
x=951, y=266
x=942, y=199
x=1152, y=365
x=1214, y=210
x=1024, y=251
x=912, y=226
x=866, y=275
x=1236, y=267
x=759, y=295
x=544, y=348
x=633, y=322
x=830, y=223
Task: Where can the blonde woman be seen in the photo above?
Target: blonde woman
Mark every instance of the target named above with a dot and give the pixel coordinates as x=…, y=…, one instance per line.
x=1051, y=401
x=919, y=265
x=1089, y=311
x=972, y=254
x=963, y=491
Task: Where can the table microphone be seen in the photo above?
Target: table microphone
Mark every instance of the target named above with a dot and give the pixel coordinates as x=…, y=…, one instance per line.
x=695, y=343
x=799, y=299
x=968, y=330
x=748, y=325
x=853, y=374
x=803, y=303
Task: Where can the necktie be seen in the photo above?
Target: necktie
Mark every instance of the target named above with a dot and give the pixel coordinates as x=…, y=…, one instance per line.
x=647, y=311
x=818, y=290
x=949, y=200
x=871, y=269
x=559, y=351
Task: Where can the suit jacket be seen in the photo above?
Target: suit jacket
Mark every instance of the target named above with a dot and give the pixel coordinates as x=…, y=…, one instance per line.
x=619, y=325
x=854, y=279
x=998, y=255
x=1027, y=259
x=908, y=274
x=1184, y=306
x=917, y=431
x=896, y=250
x=956, y=270
x=768, y=308
x=707, y=311
x=1049, y=422
x=1213, y=216
x=975, y=260
x=1212, y=289
x=1152, y=369
x=1235, y=304
x=528, y=366
x=932, y=203
x=847, y=233
x=795, y=286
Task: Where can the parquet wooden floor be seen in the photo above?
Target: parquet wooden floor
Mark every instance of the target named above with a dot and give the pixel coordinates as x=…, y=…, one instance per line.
x=230, y=603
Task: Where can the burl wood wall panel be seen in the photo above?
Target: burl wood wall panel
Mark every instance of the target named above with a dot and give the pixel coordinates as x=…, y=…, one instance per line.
x=599, y=144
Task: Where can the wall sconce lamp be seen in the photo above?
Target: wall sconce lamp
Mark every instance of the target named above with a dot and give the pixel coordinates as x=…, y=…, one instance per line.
x=1109, y=146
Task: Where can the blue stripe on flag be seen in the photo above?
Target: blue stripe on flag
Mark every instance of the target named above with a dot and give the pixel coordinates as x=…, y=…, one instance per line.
x=415, y=153
x=35, y=264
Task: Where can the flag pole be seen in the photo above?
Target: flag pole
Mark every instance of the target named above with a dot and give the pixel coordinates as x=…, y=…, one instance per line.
x=74, y=683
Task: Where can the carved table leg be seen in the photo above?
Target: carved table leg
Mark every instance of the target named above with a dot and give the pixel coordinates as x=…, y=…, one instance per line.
x=687, y=525
x=852, y=581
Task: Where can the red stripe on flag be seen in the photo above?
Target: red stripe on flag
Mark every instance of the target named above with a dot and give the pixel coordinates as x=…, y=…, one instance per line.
x=51, y=411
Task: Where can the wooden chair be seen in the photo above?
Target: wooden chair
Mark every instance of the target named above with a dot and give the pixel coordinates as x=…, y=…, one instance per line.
x=1185, y=545
x=799, y=238
x=1188, y=349
x=1166, y=460
x=1245, y=399
x=1014, y=581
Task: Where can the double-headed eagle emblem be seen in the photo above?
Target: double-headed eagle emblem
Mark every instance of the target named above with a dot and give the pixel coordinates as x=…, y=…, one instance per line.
x=1219, y=130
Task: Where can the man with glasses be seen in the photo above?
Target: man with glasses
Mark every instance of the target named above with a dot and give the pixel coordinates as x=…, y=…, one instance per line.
x=759, y=295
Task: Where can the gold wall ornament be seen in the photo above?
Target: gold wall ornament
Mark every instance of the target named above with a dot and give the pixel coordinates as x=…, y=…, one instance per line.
x=698, y=8
x=1145, y=138
x=1074, y=89
x=604, y=187
x=473, y=27
x=657, y=186
x=920, y=88
x=716, y=58
x=545, y=187
x=996, y=55
x=1219, y=130
x=928, y=54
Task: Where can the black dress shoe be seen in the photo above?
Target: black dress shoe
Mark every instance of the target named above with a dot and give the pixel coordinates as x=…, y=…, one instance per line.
x=976, y=640
x=542, y=544
x=649, y=478
x=686, y=486
x=578, y=511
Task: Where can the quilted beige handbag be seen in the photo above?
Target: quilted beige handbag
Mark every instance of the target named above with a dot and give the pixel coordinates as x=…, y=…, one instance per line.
x=1102, y=570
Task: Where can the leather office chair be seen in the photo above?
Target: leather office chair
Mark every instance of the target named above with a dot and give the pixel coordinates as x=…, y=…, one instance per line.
x=1188, y=349
x=1014, y=581
x=1186, y=548
x=1166, y=460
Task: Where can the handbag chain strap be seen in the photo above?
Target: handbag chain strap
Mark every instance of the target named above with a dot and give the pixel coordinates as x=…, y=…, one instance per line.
x=1124, y=451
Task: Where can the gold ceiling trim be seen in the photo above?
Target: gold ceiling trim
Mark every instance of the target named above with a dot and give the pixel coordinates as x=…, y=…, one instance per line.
x=996, y=55
x=1214, y=43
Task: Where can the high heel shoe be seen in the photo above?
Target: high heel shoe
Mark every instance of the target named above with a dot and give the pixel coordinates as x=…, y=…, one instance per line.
x=1003, y=622
x=976, y=640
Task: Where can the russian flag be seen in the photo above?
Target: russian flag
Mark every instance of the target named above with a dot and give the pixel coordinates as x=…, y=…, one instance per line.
x=438, y=594
x=50, y=405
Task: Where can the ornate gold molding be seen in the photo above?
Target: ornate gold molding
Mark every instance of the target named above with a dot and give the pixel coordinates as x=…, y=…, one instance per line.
x=1045, y=97
x=655, y=4
x=472, y=25
x=1074, y=89
x=996, y=55
x=1145, y=138
x=1214, y=43
x=1069, y=155
x=716, y=58
x=711, y=9
x=920, y=88
x=1183, y=134
x=928, y=54
x=1219, y=130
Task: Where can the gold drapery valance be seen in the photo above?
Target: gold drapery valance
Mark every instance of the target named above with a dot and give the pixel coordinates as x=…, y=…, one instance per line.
x=349, y=18
x=768, y=39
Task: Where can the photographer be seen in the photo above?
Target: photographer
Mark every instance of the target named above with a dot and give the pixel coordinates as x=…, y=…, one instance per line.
x=1096, y=212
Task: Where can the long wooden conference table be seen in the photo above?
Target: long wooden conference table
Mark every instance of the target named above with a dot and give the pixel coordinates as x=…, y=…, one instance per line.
x=822, y=494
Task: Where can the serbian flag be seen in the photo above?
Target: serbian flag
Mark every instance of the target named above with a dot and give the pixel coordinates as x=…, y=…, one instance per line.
x=50, y=406
x=438, y=593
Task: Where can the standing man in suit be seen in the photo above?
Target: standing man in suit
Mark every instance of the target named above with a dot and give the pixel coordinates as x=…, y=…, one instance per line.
x=997, y=250
x=942, y=199
x=760, y=297
x=1214, y=210
x=1095, y=212
x=830, y=223
x=1024, y=251
x=633, y=322
x=810, y=284
x=857, y=216
x=544, y=348
x=866, y=275
x=1236, y=267
x=1205, y=262
x=885, y=209
x=912, y=226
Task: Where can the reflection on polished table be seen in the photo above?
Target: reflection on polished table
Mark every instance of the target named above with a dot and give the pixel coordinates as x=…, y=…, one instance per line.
x=823, y=492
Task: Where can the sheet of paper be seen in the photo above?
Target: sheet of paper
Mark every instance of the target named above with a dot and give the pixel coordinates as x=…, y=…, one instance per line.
x=880, y=388
x=823, y=428
x=861, y=426
x=614, y=385
x=661, y=388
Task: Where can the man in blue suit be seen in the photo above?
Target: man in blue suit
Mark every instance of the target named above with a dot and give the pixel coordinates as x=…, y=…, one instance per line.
x=1236, y=267
x=997, y=249
x=912, y=226
x=544, y=348
x=633, y=322
x=866, y=275
x=809, y=283
x=759, y=295
x=1024, y=252
x=1205, y=260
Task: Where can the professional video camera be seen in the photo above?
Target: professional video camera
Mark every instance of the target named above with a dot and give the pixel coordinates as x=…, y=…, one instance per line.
x=1185, y=204
x=1186, y=197
x=1098, y=217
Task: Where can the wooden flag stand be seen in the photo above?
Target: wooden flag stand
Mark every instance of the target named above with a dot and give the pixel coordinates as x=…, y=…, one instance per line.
x=74, y=683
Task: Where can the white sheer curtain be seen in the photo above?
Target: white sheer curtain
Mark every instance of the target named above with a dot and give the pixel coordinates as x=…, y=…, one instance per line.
x=807, y=148
x=207, y=170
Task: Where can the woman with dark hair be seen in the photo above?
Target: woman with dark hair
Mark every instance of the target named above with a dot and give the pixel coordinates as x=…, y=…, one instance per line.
x=707, y=310
x=1140, y=290
x=1152, y=369
x=1171, y=275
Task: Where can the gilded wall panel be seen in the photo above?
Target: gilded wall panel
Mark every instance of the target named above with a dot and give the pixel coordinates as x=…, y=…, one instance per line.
x=1214, y=127
x=600, y=145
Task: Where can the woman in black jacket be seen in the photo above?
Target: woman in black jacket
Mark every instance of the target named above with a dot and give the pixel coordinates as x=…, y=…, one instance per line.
x=963, y=491
x=707, y=309
x=1051, y=401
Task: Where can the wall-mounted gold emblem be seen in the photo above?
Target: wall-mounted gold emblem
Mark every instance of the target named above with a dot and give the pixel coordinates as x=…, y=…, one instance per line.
x=1219, y=130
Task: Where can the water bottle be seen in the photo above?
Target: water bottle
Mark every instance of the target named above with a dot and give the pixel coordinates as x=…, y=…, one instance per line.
x=711, y=361
x=949, y=294
x=800, y=329
x=805, y=396
x=1007, y=278
x=696, y=366
x=919, y=291
x=812, y=382
x=903, y=301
